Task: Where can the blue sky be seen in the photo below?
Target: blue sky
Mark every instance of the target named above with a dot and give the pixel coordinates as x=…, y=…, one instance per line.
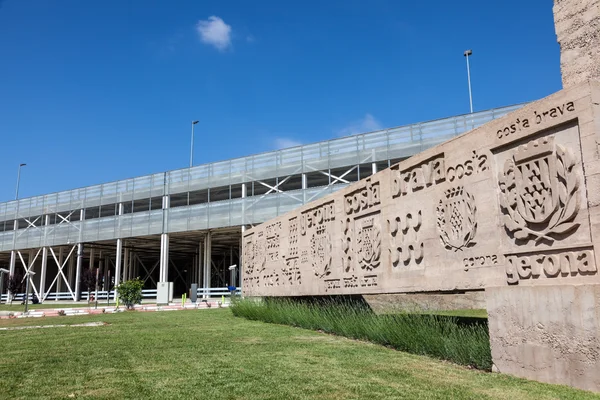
x=95, y=91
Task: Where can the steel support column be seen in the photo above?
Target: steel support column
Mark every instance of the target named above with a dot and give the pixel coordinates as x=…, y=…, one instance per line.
x=126, y=264
x=207, y=262
x=60, y=262
x=43, y=273
x=118, y=260
x=78, y=272
x=164, y=258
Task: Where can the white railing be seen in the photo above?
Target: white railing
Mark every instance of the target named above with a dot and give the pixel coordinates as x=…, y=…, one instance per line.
x=217, y=292
x=103, y=294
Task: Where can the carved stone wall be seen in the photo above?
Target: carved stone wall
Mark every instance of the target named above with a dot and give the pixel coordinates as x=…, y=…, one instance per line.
x=577, y=24
x=512, y=203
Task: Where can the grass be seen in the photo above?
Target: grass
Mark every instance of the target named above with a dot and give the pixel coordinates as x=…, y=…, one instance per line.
x=464, y=341
x=210, y=354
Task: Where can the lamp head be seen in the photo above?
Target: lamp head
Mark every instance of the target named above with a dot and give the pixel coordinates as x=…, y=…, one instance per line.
x=232, y=267
x=22, y=165
x=468, y=52
x=195, y=122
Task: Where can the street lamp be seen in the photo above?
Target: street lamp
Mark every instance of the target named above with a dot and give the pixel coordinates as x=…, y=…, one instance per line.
x=18, y=181
x=27, y=276
x=467, y=53
x=192, y=147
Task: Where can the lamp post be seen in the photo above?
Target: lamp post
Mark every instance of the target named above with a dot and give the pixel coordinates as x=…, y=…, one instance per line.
x=27, y=289
x=192, y=147
x=18, y=181
x=467, y=53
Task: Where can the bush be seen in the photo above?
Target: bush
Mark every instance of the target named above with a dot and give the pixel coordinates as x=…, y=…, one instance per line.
x=437, y=336
x=88, y=281
x=14, y=285
x=130, y=292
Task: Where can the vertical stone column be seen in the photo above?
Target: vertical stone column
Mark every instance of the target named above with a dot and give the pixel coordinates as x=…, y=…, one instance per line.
x=577, y=25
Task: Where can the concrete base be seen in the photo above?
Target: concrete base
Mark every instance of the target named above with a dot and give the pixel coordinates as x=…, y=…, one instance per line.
x=547, y=333
x=164, y=293
x=389, y=303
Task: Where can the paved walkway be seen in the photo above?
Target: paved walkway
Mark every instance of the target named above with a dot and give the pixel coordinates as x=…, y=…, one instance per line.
x=66, y=311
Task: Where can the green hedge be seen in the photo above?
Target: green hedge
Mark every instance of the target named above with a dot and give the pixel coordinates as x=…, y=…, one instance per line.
x=442, y=337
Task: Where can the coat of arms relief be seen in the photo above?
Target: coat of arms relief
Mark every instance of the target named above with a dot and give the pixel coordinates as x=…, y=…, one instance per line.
x=457, y=219
x=539, y=192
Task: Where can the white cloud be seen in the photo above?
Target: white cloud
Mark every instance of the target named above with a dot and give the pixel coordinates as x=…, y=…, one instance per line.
x=284, y=143
x=367, y=124
x=215, y=32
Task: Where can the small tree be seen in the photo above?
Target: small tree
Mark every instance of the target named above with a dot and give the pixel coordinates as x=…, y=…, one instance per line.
x=88, y=281
x=15, y=284
x=130, y=292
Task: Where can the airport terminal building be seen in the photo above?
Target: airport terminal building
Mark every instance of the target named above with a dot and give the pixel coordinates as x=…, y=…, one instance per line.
x=185, y=226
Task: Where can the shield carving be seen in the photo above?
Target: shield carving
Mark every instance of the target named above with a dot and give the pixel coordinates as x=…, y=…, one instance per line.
x=540, y=192
x=320, y=247
x=369, y=244
x=537, y=186
x=456, y=219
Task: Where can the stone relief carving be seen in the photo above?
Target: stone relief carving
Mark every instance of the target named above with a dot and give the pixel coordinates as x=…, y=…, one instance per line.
x=457, y=219
x=368, y=240
x=520, y=267
x=405, y=245
x=361, y=229
x=539, y=192
x=347, y=245
x=476, y=164
x=362, y=199
x=273, y=232
x=293, y=239
x=291, y=271
x=418, y=177
x=254, y=259
x=314, y=223
x=320, y=249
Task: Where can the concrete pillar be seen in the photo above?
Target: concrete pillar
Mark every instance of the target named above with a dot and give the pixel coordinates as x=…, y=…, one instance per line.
x=200, y=264
x=71, y=271
x=43, y=273
x=134, y=265
x=118, y=260
x=59, y=280
x=91, y=265
x=78, y=272
x=241, y=257
x=11, y=268
x=106, y=273
x=126, y=264
x=304, y=187
x=164, y=258
x=102, y=269
x=207, y=261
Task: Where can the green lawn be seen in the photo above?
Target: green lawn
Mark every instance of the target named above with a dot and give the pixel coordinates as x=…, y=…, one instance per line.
x=211, y=354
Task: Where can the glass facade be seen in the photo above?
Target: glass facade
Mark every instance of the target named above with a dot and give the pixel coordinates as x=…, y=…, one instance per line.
x=241, y=191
